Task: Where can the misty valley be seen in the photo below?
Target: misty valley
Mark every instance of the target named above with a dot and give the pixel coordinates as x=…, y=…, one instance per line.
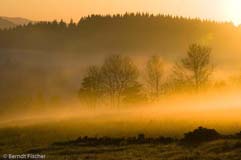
x=123, y=86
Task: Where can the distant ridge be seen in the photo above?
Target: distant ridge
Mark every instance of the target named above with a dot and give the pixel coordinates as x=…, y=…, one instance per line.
x=17, y=20
x=9, y=22
x=6, y=24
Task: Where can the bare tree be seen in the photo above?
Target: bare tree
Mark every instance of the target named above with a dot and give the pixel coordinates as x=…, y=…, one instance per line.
x=195, y=69
x=119, y=74
x=154, y=69
x=91, y=88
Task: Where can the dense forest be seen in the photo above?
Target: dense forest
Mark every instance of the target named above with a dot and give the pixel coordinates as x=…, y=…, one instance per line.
x=121, y=33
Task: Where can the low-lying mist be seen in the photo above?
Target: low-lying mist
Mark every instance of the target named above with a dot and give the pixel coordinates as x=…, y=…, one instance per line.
x=171, y=115
x=45, y=95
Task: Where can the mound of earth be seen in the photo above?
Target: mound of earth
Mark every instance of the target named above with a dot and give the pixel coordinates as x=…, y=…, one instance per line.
x=199, y=136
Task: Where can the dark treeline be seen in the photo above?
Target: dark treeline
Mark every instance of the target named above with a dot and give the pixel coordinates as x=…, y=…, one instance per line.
x=128, y=32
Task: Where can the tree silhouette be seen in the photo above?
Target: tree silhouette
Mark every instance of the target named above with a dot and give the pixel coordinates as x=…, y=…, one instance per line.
x=154, y=69
x=116, y=81
x=72, y=25
x=119, y=74
x=195, y=69
x=91, y=89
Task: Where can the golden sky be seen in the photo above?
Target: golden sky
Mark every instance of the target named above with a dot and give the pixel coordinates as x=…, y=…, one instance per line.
x=222, y=10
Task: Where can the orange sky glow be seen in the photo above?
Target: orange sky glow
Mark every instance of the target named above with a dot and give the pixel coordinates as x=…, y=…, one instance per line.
x=220, y=10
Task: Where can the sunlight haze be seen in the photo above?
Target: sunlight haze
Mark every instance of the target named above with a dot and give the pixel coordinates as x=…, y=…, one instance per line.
x=220, y=10
x=120, y=79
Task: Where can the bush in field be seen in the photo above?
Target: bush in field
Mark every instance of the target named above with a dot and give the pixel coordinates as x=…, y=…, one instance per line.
x=199, y=136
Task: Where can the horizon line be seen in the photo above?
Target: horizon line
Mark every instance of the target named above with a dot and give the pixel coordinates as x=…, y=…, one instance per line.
x=122, y=14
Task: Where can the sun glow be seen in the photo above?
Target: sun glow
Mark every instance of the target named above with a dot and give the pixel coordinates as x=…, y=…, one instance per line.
x=235, y=12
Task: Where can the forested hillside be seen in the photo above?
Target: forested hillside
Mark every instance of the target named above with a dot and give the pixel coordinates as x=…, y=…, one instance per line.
x=124, y=33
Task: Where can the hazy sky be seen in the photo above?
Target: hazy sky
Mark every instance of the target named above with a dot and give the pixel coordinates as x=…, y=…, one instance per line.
x=224, y=10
